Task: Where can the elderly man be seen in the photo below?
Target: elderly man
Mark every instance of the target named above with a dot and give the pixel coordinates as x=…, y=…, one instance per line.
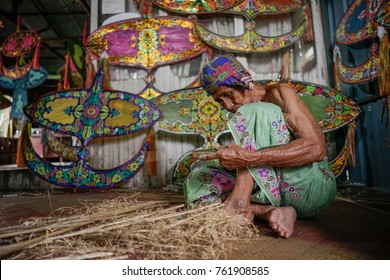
x=279, y=159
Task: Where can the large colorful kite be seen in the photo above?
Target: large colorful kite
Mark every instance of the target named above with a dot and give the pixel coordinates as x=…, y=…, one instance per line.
x=21, y=76
x=250, y=41
x=88, y=114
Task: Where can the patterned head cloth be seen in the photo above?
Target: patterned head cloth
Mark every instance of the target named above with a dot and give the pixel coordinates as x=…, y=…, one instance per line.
x=224, y=70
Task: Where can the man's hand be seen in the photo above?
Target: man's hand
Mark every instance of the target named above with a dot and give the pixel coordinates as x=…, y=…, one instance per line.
x=230, y=156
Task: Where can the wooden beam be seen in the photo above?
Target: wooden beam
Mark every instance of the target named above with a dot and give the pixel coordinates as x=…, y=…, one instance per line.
x=85, y=7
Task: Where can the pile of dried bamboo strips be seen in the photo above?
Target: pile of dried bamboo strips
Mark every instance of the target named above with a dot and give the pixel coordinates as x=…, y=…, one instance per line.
x=124, y=228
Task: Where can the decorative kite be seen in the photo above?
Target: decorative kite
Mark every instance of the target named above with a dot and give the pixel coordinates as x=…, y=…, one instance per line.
x=196, y=6
x=192, y=111
x=365, y=72
x=250, y=41
x=21, y=76
x=33, y=78
x=75, y=68
x=88, y=114
x=252, y=8
x=331, y=108
x=365, y=19
x=146, y=43
x=383, y=15
x=149, y=91
x=63, y=150
x=20, y=43
x=358, y=22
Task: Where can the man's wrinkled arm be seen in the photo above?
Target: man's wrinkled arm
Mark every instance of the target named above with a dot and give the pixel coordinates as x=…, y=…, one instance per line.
x=296, y=153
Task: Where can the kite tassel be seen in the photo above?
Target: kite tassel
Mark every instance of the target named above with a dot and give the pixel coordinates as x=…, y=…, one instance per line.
x=285, y=74
x=85, y=32
x=18, y=24
x=151, y=162
x=66, y=73
x=36, y=56
x=309, y=33
x=384, y=61
x=90, y=72
x=22, y=140
x=336, y=60
x=351, y=160
x=106, y=73
x=1, y=64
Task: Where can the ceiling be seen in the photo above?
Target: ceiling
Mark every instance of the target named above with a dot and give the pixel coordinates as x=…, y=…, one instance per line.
x=58, y=23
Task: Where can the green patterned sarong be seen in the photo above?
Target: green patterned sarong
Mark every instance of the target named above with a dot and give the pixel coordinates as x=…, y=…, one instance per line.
x=309, y=188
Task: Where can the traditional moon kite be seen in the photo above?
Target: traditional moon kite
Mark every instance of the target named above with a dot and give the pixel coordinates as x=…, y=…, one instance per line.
x=146, y=43
x=21, y=77
x=88, y=114
x=253, y=8
x=365, y=72
x=250, y=41
x=196, y=6
x=358, y=22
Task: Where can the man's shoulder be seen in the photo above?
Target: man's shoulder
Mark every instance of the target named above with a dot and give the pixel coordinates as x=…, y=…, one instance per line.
x=263, y=105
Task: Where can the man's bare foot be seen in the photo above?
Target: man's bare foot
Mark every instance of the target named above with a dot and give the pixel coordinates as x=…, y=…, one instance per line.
x=239, y=200
x=240, y=207
x=280, y=219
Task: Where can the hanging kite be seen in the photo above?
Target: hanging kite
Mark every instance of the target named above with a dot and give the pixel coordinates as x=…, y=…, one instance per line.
x=253, y=8
x=31, y=79
x=365, y=72
x=196, y=6
x=383, y=15
x=146, y=43
x=250, y=41
x=365, y=19
x=74, y=71
x=88, y=114
x=24, y=75
x=358, y=22
x=192, y=111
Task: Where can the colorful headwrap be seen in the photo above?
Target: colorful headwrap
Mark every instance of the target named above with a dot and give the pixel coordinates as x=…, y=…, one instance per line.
x=224, y=70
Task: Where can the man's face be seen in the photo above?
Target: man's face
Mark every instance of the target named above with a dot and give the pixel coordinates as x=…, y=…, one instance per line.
x=229, y=98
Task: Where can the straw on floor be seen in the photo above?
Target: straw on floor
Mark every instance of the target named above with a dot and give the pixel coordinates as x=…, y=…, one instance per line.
x=124, y=228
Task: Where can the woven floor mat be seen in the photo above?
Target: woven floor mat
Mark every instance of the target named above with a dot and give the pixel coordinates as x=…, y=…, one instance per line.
x=345, y=230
